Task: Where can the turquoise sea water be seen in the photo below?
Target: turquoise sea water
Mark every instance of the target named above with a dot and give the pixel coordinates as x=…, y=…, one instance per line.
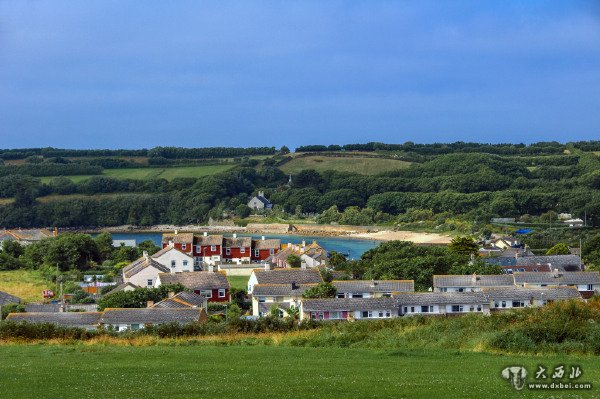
x=353, y=247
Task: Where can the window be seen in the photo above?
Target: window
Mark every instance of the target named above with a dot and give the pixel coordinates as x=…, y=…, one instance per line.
x=461, y=290
x=261, y=299
x=135, y=327
x=185, y=263
x=380, y=314
x=173, y=263
x=405, y=309
x=221, y=293
x=149, y=283
x=479, y=308
x=335, y=315
x=590, y=287
x=206, y=293
x=496, y=304
x=518, y=304
x=242, y=250
x=444, y=289
x=424, y=309
x=183, y=246
x=503, y=304
x=388, y=314
x=356, y=295
x=256, y=252
x=340, y=295
x=457, y=308
x=213, y=248
x=472, y=309
x=365, y=314
x=509, y=271
x=198, y=249
x=227, y=251
x=412, y=309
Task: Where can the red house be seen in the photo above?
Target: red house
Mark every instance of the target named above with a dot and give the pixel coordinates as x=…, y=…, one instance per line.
x=237, y=249
x=207, y=249
x=262, y=249
x=214, y=286
x=181, y=241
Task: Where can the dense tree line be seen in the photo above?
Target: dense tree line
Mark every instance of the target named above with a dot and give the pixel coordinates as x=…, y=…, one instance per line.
x=209, y=152
x=51, y=169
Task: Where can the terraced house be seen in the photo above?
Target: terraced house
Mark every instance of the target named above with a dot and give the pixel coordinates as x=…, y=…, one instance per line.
x=349, y=308
x=470, y=283
x=214, y=286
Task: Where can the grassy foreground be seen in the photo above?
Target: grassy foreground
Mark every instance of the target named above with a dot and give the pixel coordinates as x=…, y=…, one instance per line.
x=94, y=371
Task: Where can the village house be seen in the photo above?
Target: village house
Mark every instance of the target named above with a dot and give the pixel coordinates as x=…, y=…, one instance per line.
x=237, y=249
x=470, y=283
x=260, y=202
x=519, y=297
x=312, y=255
x=123, y=287
x=143, y=272
x=85, y=320
x=372, y=288
x=182, y=241
x=207, y=249
x=587, y=283
x=214, y=286
x=265, y=296
x=263, y=249
x=348, y=308
x=283, y=276
x=442, y=303
x=122, y=319
x=175, y=259
x=541, y=263
x=27, y=236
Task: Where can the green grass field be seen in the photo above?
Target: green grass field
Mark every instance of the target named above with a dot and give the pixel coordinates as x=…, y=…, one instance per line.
x=362, y=165
x=25, y=284
x=105, y=371
x=239, y=282
x=154, y=173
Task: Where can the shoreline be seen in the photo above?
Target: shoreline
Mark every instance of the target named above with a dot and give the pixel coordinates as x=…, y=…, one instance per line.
x=351, y=232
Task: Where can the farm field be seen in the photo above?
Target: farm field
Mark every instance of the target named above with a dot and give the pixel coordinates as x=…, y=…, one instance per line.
x=153, y=173
x=25, y=284
x=266, y=372
x=362, y=165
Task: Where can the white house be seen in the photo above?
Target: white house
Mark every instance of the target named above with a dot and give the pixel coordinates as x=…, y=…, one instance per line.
x=175, y=259
x=586, y=282
x=143, y=272
x=371, y=288
x=348, y=308
x=502, y=298
x=470, y=283
x=283, y=276
x=136, y=318
x=414, y=303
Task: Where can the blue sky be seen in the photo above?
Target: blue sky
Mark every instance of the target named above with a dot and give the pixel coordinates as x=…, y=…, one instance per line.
x=124, y=74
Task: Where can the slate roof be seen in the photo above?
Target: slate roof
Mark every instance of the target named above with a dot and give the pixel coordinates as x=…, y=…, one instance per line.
x=520, y=293
x=263, y=200
x=237, y=242
x=209, y=240
x=168, y=249
x=280, y=289
x=273, y=243
x=265, y=307
x=527, y=268
x=561, y=278
x=5, y=298
x=184, y=299
x=31, y=234
x=42, y=307
x=479, y=280
x=441, y=298
x=150, y=315
x=564, y=261
x=374, y=285
x=140, y=264
x=196, y=280
x=121, y=287
x=349, y=304
x=65, y=319
x=179, y=238
x=287, y=276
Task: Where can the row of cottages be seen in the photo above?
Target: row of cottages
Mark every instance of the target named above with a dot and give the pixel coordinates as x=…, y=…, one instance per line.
x=519, y=260
x=433, y=303
x=311, y=255
x=182, y=308
x=587, y=283
x=212, y=285
x=214, y=249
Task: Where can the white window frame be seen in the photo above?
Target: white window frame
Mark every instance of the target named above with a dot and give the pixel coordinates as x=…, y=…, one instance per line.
x=227, y=251
x=257, y=252
x=184, y=246
x=222, y=293
x=272, y=252
x=213, y=248
x=206, y=293
x=185, y=263
x=149, y=282
x=173, y=264
x=242, y=250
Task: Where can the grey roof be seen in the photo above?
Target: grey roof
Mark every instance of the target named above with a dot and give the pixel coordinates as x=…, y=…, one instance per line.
x=520, y=293
x=288, y=276
x=150, y=316
x=554, y=260
x=184, y=299
x=140, y=264
x=348, y=304
x=273, y=243
x=168, y=249
x=483, y=280
x=65, y=319
x=42, y=307
x=196, y=280
x=237, y=242
x=561, y=278
x=280, y=289
x=441, y=298
x=179, y=238
x=374, y=285
x=216, y=239
x=5, y=298
x=121, y=287
x=263, y=200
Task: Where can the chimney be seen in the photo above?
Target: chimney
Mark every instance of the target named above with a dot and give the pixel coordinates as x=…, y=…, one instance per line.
x=556, y=273
x=145, y=254
x=373, y=283
x=267, y=267
x=289, y=244
x=176, y=231
x=171, y=244
x=205, y=233
x=149, y=304
x=211, y=268
x=234, y=235
x=262, y=238
x=474, y=278
x=171, y=294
